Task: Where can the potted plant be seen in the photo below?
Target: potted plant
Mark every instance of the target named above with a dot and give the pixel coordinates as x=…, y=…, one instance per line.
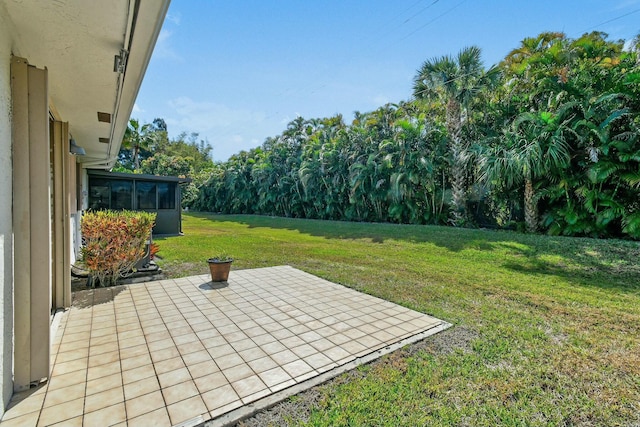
x=220, y=265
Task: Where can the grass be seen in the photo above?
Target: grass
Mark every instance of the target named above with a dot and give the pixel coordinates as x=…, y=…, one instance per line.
x=546, y=330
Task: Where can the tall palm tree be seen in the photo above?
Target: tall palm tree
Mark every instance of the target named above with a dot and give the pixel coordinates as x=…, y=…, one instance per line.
x=457, y=83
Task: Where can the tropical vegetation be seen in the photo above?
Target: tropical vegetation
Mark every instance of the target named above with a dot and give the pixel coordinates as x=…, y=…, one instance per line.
x=147, y=149
x=113, y=243
x=546, y=141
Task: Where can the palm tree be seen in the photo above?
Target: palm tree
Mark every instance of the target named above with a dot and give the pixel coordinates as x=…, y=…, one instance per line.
x=137, y=138
x=531, y=148
x=457, y=83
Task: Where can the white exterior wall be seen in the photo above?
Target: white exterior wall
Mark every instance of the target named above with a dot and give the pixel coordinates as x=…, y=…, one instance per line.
x=6, y=225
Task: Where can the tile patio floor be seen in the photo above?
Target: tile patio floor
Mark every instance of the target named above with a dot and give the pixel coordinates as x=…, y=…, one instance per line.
x=183, y=351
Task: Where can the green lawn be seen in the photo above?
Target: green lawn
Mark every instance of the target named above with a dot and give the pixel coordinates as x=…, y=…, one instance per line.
x=546, y=330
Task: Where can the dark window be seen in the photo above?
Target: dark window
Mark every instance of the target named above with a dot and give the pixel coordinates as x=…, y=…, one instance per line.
x=166, y=195
x=99, y=192
x=146, y=195
x=121, y=194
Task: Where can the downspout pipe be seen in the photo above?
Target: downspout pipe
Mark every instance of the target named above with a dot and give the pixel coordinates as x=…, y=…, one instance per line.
x=130, y=80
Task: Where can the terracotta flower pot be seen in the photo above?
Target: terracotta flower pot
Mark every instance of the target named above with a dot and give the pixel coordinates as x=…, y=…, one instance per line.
x=219, y=269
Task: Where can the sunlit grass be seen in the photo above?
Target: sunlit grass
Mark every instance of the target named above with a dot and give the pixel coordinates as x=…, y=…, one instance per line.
x=546, y=330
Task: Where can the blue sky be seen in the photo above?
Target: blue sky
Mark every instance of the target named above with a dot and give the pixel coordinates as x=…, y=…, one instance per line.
x=237, y=71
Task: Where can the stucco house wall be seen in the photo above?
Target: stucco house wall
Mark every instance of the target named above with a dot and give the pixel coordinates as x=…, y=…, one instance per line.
x=71, y=45
x=6, y=273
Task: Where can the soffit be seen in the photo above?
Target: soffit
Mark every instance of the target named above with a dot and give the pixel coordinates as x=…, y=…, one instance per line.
x=77, y=40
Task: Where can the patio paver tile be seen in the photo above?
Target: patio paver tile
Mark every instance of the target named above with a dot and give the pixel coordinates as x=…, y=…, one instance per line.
x=248, y=386
x=304, y=350
x=202, y=369
x=196, y=357
x=191, y=347
x=282, y=386
x=72, y=354
x=284, y=357
x=71, y=366
x=61, y=412
x=169, y=365
x=297, y=368
x=186, y=409
x=103, y=359
x=211, y=381
x=135, y=362
x=103, y=348
x=263, y=339
x=220, y=396
x=177, y=376
x=137, y=374
x=134, y=351
x=336, y=353
x=157, y=418
x=141, y=387
x=112, y=414
x=179, y=392
x=252, y=353
x=104, y=383
x=186, y=338
x=262, y=364
x=274, y=376
x=104, y=399
x=29, y=419
x=65, y=380
x=229, y=360
x=238, y=372
x=318, y=361
x=103, y=370
x=103, y=339
x=144, y=404
x=354, y=347
x=164, y=354
x=225, y=408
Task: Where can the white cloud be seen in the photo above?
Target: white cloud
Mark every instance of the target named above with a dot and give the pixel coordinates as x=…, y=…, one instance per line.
x=163, y=47
x=174, y=18
x=380, y=100
x=288, y=119
x=205, y=116
x=228, y=130
x=624, y=4
x=627, y=45
x=137, y=109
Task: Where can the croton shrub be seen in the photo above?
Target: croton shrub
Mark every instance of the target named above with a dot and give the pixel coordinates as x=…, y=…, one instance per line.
x=113, y=242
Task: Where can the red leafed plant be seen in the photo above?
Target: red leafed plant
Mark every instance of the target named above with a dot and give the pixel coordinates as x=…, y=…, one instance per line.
x=153, y=250
x=114, y=241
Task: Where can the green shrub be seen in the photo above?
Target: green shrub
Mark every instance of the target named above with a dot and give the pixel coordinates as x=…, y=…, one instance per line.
x=114, y=241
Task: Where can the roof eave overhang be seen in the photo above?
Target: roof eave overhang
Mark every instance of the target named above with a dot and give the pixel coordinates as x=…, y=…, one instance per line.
x=143, y=31
x=77, y=41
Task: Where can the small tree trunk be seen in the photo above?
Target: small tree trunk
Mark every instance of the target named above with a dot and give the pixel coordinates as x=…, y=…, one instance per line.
x=458, y=167
x=530, y=207
x=136, y=160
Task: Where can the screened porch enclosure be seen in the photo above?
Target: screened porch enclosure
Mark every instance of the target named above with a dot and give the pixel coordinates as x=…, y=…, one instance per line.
x=150, y=193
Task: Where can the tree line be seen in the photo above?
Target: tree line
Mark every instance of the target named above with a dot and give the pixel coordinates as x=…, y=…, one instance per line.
x=544, y=141
x=147, y=149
